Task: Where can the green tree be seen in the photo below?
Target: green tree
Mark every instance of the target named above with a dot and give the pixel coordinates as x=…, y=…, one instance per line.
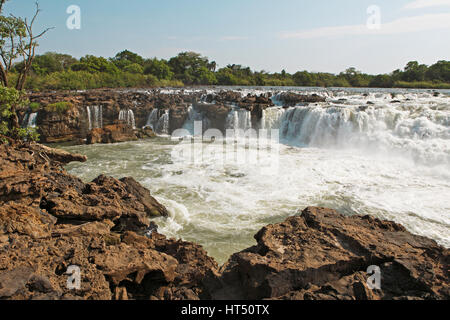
x=10, y=100
x=134, y=68
x=126, y=57
x=158, y=68
x=94, y=64
x=414, y=71
x=303, y=78
x=188, y=67
x=382, y=81
x=48, y=63
x=17, y=39
x=439, y=71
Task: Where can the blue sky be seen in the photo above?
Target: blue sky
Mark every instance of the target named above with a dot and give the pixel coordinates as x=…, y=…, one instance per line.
x=313, y=35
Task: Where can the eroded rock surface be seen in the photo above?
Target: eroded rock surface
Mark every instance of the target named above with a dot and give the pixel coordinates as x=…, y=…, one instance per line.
x=324, y=255
x=51, y=221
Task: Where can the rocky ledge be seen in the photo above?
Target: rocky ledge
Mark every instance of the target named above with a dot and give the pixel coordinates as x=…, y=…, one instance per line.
x=85, y=113
x=50, y=221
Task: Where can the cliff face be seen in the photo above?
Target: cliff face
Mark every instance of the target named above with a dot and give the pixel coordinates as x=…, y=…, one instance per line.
x=51, y=221
x=76, y=123
x=99, y=108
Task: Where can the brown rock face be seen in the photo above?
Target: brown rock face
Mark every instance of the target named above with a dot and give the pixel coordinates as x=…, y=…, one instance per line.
x=51, y=221
x=324, y=255
x=111, y=134
x=35, y=191
x=53, y=224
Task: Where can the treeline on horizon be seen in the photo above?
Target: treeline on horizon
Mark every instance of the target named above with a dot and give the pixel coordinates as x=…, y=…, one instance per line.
x=55, y=71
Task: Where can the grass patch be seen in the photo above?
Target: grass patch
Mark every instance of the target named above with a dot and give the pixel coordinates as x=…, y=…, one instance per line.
x=59, y=107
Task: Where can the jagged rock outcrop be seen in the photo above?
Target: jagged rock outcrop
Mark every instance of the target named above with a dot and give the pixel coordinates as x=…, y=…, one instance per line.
x=51, y=221
x=324, y=255
x=33, y=183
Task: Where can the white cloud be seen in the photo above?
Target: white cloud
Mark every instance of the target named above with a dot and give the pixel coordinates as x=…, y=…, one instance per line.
x=402, y=25
x=233, y=38
x=419, y=4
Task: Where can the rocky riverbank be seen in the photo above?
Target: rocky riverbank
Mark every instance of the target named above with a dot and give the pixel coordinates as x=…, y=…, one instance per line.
x=50, y=220
x=82, y=114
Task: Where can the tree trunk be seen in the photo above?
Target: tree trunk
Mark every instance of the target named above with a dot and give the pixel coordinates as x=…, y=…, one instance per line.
x=14, y=120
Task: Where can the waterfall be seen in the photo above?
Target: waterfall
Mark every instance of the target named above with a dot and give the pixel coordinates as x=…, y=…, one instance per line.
x=152, y=119
x=159, y=124
x=163, y=123
x=239, y=119
x=195, y=116
x=88, y=111
x=32, y=120
x=29, y=121
x=419, y=133
x=271, y=118
x=95, y=117
x=128, y=117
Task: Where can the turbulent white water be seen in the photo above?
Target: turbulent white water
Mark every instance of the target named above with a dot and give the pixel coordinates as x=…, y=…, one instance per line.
x=128, y=117
x=387, y=159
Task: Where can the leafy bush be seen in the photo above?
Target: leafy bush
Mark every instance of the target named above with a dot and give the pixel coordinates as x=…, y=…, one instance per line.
x=28, y=134
x=10, y=101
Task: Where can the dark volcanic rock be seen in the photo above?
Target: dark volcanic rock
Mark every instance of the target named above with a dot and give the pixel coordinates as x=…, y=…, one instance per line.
x=291, y=99
x=324, y=255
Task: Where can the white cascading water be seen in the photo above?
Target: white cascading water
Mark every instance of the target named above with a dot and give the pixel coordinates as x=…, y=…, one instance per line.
x=163, y=123
x=360, y=152
x=32, y=120
x=239, y=119
x=159, y=124
x=152, y=119
x=95, y=117
x=128, y=117
x=195, y=116
x=416, y=132
x=29, y=121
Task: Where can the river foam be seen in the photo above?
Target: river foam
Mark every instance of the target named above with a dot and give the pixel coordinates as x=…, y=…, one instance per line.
x=359, y=153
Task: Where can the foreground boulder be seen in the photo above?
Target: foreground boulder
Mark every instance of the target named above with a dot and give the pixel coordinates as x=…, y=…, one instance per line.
x=52, y=222
x=36, y=192
x=324, y=255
